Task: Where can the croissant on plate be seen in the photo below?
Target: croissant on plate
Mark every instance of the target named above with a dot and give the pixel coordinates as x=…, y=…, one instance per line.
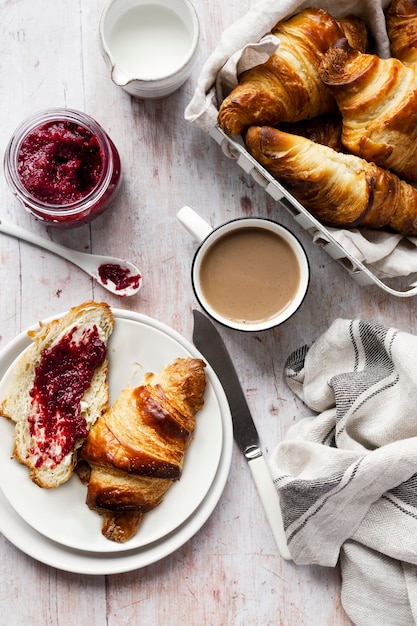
x=401, y=22
x=339, y=189
x=287, y=87
x=136, y=449
x=378, y=102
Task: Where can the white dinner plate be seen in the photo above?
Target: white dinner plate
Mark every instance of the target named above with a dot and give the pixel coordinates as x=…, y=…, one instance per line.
x=138, y=344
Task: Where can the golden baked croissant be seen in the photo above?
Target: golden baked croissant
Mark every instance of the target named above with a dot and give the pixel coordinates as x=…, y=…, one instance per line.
x=338, y=189
x=401, y=21
x=287, y=87
x=324, y=129
x=136, y=449
x=378, y=101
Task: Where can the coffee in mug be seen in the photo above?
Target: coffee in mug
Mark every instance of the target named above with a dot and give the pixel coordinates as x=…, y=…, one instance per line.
x=250, y=273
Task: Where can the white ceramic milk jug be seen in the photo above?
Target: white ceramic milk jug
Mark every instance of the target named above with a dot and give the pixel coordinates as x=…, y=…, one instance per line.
x=150, y=46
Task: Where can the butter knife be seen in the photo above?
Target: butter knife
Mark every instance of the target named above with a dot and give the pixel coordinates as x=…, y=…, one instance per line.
x=209, y=342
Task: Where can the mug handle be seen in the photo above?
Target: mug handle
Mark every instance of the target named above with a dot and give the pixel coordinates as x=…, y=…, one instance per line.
x=194, y=224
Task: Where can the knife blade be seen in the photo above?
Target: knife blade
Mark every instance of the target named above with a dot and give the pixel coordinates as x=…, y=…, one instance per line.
x=208, y=341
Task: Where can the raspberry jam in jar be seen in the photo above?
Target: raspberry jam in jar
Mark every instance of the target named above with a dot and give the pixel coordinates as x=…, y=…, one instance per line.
x=63, y=167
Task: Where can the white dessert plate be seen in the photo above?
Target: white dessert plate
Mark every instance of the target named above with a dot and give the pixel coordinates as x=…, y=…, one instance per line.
x=139, y=344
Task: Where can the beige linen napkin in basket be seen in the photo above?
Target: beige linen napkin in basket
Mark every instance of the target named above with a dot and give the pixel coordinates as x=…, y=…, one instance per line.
x=347, y=475
x=248, y=42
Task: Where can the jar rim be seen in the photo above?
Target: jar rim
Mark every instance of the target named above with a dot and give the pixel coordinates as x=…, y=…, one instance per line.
x=32, y=122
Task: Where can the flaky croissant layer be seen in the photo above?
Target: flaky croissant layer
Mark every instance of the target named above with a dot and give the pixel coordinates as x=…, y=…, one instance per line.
x=401, y=21
x=136, y=449
x=287, y=88
x=338, y=189
x=378, y=102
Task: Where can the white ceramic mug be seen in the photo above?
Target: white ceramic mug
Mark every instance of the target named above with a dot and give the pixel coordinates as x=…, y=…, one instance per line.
x=250, y=273
x=150, y=46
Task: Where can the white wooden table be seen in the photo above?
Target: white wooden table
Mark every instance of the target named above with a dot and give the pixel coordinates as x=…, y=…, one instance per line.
x=229, y=573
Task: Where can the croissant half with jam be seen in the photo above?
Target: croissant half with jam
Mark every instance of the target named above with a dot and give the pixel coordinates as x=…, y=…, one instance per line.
x=378, y=102
x=339, y=189
x=135, y=451
x=401, y=21
x=287, y=88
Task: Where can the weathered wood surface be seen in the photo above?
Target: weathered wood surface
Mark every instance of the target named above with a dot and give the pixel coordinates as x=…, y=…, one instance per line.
x=230, y=571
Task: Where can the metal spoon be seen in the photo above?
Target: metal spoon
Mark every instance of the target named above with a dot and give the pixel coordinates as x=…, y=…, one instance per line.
x=119, y=277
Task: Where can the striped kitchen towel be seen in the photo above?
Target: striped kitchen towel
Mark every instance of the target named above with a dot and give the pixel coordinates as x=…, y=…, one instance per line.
x=347, y=475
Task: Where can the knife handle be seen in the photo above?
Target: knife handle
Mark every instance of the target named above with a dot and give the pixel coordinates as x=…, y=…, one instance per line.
x=270, y=501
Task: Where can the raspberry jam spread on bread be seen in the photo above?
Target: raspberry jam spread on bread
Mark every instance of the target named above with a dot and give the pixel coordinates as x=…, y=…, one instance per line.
x=57, y=389
x=61, y=379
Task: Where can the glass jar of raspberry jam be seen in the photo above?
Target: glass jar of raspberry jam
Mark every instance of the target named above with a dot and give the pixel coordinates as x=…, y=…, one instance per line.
x=63, y=167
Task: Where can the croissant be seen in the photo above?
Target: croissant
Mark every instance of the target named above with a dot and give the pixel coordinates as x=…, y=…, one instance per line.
x=339, y=189
x=324, y=129
x=136, y=449
x=378, y=101
x=287, y=87
x=401, y=22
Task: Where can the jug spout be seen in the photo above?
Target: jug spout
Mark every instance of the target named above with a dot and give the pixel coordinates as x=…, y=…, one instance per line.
x=119, y=77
